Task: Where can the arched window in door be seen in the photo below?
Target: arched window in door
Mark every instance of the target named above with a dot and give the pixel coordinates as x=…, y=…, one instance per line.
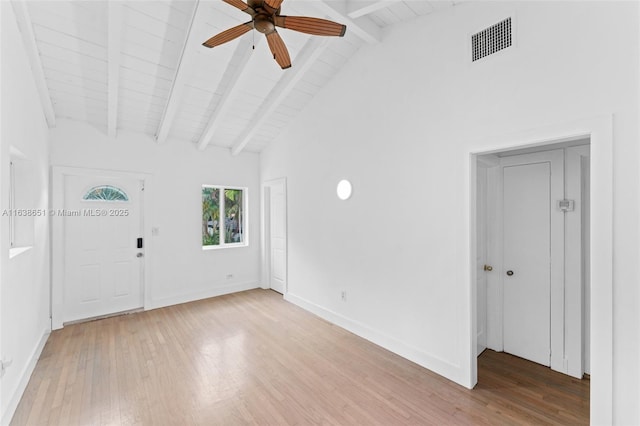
x=105, y=193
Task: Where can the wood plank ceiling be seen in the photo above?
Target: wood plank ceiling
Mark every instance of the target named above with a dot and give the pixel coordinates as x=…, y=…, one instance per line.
x=139, y=66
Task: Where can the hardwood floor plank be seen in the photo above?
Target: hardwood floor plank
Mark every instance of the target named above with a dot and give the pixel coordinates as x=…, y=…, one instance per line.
x=252, y=358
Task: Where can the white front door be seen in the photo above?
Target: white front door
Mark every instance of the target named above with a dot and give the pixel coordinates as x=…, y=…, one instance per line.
x=103, y=266
x=278, y=236
x=531, y=228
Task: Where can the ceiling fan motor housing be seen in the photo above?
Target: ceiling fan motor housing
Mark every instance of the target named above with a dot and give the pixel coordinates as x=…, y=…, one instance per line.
x=263, y=23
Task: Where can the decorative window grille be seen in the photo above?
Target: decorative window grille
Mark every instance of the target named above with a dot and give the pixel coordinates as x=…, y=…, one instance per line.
x=105, y=193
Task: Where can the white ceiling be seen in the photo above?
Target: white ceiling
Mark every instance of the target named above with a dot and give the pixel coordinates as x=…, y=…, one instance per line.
x=139, y=65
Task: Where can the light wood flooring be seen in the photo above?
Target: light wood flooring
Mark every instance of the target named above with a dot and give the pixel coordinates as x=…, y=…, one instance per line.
x=252, y=358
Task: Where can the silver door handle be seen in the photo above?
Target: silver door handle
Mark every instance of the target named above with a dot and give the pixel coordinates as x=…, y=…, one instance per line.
x=139, y=254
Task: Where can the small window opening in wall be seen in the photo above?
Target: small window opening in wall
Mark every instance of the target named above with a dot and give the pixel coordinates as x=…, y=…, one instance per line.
x=12, y=205
x=224, y=217
x=22, y=211
x=105, y=193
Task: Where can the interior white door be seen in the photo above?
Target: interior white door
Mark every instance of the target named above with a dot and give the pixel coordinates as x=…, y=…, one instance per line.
x=103, y=266
x=527, y=261
x=278, y=236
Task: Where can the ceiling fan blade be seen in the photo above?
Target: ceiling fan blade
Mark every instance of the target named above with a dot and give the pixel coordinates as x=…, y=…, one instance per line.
x=239, y=4
x=279, y=50
x=308, y=25
x=228, y=35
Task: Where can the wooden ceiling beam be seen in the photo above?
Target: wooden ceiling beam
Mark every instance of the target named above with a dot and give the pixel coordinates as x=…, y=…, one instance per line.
x=311, y=51
x=29, y=40
x=357, y=9
x=114, y=48
x=183, y=70
x=229, y=83
x=362, y=27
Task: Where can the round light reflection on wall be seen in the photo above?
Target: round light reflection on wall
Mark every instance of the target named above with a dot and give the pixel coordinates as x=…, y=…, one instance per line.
x=344, y=189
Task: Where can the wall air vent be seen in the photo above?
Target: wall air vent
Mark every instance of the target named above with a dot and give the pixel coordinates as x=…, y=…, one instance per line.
x=491, y=40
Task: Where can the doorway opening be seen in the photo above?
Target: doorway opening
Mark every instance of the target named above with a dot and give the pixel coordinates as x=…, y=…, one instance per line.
x=532, y=257
x=274, y=235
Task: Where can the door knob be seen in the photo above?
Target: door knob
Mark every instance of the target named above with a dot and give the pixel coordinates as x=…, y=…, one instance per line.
x=488, y=268
x=509, y=272
x=139, y=255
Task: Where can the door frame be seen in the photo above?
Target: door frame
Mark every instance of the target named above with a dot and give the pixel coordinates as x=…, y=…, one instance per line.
x=481, y=253
x=265, y=225
x=599, y=131
x=58, y=175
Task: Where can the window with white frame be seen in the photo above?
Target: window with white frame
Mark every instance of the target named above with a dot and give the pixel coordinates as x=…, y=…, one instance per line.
x=224, y=216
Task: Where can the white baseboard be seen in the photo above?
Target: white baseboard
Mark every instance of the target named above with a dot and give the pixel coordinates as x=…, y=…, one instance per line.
x=24, y=379
x=444, y=368
x=192, y=297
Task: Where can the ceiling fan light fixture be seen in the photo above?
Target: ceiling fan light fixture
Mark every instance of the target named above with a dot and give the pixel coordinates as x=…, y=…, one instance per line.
x=264, y=24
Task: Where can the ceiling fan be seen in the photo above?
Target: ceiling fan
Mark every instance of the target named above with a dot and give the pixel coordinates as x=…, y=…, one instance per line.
x=265, y=18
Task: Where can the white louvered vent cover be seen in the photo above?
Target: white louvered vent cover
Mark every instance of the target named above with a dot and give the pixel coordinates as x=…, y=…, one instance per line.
x=491, y=40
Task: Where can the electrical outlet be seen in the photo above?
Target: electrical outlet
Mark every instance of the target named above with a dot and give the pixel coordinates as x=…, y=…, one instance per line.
x=343, y=295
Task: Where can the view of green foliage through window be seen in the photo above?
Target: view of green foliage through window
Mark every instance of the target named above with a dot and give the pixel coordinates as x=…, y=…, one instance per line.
x=233, y=215
x=230, y=230
x=210, y=216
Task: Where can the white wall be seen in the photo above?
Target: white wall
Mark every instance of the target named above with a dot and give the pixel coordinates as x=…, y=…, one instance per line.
x=400, y=121
x=178, y=269
x=24, y=279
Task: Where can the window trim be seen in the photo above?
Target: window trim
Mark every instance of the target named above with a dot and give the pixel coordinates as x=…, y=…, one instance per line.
x=245, y=222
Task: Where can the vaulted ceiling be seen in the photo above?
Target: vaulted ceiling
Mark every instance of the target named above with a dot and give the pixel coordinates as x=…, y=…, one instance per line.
x=140, y=65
